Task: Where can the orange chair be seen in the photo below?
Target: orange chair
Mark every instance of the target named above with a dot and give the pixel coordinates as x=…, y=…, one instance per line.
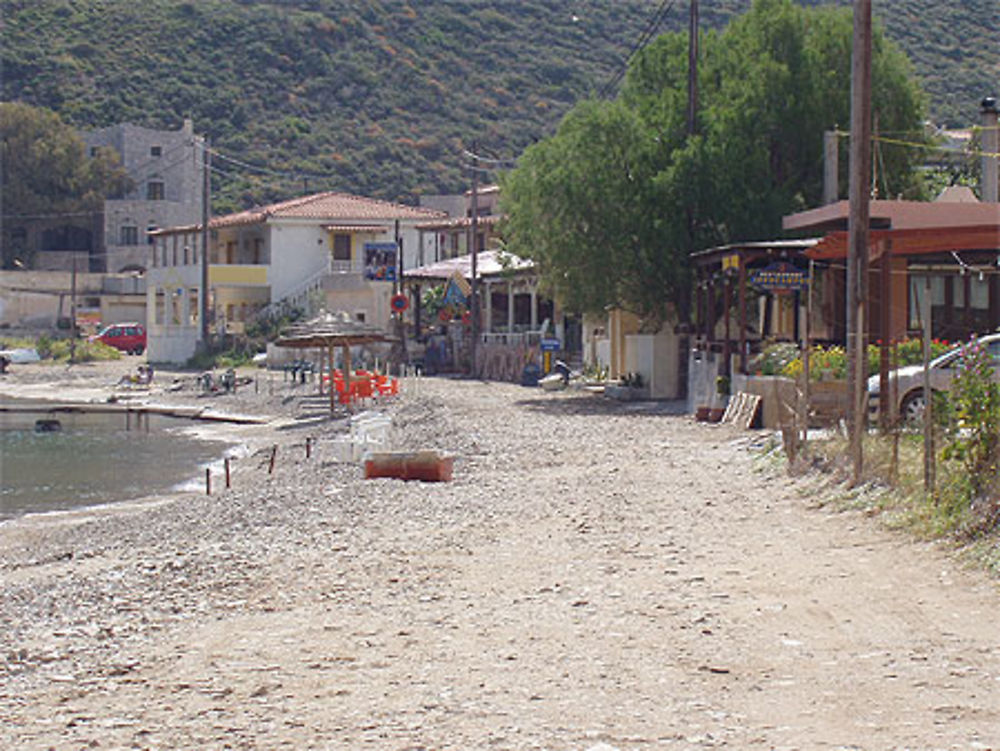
x=388, y=387
x=362, y=389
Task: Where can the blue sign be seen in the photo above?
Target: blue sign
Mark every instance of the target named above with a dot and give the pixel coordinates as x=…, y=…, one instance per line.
x=551, y=345
x=780, y=277
x=380, y=262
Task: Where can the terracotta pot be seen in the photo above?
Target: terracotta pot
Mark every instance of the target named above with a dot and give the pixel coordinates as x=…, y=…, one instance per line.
x=715, y=414
x=701, y=413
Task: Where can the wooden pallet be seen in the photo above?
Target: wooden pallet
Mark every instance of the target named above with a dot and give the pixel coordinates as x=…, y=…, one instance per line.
x=742, y=410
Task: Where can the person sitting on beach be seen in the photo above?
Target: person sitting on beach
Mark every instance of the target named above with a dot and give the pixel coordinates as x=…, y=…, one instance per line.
x=143, y=377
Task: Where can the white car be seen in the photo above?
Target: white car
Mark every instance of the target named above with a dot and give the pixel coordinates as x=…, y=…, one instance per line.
x=20, y=355
x=908, y=382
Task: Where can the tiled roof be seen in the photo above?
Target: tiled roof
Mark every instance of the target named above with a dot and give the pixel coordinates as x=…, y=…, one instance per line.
x=328, y=207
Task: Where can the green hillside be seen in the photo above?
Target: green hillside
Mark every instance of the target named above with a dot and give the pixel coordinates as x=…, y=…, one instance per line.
x=379, y=96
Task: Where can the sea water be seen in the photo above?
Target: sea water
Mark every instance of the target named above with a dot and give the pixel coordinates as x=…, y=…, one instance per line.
x=95, y=458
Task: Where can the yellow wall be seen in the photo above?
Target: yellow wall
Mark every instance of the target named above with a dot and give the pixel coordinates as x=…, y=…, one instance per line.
x=248, y=275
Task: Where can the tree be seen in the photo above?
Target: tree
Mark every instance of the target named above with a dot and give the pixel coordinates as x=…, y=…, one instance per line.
x=769, y=85
x=47, y=173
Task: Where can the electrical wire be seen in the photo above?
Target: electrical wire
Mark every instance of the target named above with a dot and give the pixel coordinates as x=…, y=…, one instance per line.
x=651, y=28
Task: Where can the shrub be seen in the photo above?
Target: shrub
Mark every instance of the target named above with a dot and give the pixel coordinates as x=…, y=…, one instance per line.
x=974, y=437
x=775, y=358
x=59, y=350
x=831, y=362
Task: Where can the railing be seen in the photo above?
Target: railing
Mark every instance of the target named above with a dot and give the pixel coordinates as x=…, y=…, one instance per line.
x=511, y=338
x=296, y=298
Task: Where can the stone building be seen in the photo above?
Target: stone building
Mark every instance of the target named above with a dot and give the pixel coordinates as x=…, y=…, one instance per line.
x=165, y=168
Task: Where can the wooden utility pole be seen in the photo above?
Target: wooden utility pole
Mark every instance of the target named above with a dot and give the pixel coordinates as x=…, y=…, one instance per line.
x=683, y=301
x=72, y=314
x=858, y=219
x=206, y=211
x=474, y=294
x=692, y=110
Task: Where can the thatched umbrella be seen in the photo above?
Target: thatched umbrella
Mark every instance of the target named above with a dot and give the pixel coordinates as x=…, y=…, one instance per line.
x=329, y=330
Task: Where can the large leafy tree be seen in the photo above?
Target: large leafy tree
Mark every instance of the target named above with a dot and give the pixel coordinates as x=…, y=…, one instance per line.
x=48, y=173
x=612, y=205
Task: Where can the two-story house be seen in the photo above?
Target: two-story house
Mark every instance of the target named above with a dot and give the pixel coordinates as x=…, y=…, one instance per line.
x=328, y=249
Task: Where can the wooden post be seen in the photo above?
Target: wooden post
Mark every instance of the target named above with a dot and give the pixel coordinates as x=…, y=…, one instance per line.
x=347, y=371
x=806, y=351
x=274, y=454
x=228, y=476
x=885, y=270
x=208, y=481
x=742, y=302
x=727, y=301
x=333, y=390
x=858, y=220
x=894, y=421
x=928, y=396
x=308, y=447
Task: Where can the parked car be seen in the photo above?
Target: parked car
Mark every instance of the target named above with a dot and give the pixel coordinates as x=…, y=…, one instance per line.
x=128, y=337
x=908, y=382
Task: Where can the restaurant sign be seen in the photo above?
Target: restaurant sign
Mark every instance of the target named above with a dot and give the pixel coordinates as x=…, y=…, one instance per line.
x=780, y=277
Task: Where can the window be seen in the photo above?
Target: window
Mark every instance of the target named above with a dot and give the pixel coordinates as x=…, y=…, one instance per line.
x=341, y=247
x=194, y=306
x=150, y=239
x=155, y=190
x=156, y=151
x=128, y=235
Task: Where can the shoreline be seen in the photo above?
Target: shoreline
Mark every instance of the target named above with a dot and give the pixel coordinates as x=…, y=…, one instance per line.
x=87, y=388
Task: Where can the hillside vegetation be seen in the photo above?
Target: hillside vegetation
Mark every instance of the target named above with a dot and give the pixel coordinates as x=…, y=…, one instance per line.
x=380, y=97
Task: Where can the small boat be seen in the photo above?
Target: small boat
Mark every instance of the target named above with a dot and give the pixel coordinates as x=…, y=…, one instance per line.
x=48, y=425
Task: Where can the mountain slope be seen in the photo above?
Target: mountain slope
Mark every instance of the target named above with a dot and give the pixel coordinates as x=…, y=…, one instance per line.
x=380, y=97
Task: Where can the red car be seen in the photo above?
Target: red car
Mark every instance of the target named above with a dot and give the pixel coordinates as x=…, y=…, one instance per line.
x=128, y=337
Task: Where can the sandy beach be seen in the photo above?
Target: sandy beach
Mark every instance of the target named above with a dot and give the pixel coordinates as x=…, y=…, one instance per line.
x=597, y=576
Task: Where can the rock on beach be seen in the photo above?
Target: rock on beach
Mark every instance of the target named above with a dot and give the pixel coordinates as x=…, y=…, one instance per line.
x=598, y=576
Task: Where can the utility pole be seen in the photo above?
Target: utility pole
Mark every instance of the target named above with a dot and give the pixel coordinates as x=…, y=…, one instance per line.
x=474, y=294
x=206, y=210
x=72, y=314
x=684, y=296
x=858, y=221
x=692, y=110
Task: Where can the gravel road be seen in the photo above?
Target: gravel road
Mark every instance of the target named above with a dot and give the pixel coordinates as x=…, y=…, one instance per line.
x=597, y=576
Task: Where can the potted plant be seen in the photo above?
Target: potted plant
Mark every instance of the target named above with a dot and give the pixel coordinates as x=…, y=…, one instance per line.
x=722, y=398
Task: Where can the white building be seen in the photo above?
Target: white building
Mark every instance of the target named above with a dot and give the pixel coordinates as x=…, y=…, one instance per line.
x=334, y=249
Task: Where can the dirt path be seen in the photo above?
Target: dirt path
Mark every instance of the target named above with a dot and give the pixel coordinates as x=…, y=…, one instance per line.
x=596, y=576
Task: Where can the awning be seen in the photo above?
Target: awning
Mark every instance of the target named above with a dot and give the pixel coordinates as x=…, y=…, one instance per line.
x=488, y=263
x=913, y=242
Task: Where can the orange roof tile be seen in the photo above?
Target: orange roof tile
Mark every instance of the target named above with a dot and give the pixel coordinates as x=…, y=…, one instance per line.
x=327, y=206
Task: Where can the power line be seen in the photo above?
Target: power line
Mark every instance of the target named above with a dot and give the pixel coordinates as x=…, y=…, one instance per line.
x=651, y=28
x=296, y=175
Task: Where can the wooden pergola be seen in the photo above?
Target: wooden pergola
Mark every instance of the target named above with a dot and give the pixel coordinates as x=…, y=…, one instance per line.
x=725, y=272
x=328, y=331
